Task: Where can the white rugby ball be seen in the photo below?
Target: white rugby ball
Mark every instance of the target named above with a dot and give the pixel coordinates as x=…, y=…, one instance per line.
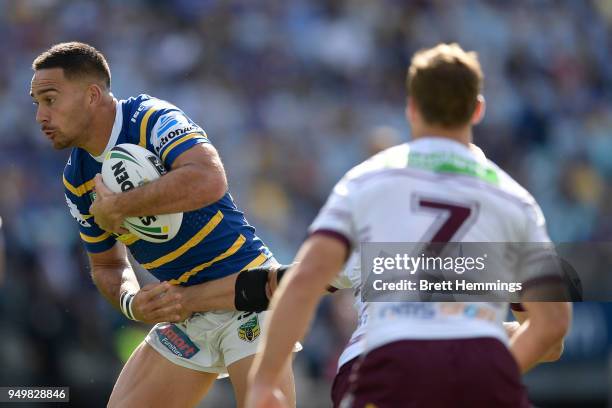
x=127, y=166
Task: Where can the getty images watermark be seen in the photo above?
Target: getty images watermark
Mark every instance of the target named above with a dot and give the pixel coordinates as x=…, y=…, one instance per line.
x=408, y=264
x=500, y=272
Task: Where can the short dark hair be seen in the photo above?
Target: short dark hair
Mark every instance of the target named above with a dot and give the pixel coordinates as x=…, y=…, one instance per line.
x=444, y=82
x=76, y=59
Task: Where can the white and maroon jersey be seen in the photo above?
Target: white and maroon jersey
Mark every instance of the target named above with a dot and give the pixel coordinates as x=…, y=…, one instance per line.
x=433, y=189
x=350, y=278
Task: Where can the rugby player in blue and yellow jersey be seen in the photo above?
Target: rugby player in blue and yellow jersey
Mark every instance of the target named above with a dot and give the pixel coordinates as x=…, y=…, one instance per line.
x=178, y=362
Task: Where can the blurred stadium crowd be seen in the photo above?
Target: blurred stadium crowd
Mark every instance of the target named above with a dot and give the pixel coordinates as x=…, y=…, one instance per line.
x=293, y=94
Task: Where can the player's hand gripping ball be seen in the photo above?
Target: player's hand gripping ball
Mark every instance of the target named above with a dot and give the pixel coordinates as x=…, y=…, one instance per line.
x=127, y=166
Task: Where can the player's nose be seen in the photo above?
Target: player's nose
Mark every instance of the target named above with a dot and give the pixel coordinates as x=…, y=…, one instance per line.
x=42, y=115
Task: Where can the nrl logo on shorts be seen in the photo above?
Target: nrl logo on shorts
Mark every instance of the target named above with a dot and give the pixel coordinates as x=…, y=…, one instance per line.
x=249, y=330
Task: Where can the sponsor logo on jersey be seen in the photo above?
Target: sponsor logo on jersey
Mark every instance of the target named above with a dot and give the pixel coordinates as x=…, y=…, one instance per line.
x=165, y=123
x=407, y=309
x=176, y=341
x=429, y=311
x=177, y=132
x=74, y=211
x=172, y=126
x=135, y=115
x=249, y=330
x=469, y=310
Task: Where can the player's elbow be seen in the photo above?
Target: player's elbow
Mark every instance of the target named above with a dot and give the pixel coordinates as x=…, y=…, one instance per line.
x=211, y=189
x=555, y=353
x=563, y=320
x=556, y=328
x=551, y=319
x=219, y=187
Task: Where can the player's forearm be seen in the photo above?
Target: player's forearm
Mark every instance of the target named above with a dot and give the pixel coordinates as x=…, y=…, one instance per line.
x=292, y=311
x=293, y=306
x=184, y=189
x=214, y=295
x=112, y=280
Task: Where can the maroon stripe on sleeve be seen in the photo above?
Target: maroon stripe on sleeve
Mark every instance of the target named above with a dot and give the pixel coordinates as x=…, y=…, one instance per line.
x=517, y=307
x=334, y=234
x=337, y=235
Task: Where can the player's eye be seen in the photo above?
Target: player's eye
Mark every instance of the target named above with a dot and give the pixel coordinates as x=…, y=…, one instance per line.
x=50, y=101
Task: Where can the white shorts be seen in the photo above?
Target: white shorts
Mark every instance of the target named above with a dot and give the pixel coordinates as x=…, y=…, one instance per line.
x=208, y=341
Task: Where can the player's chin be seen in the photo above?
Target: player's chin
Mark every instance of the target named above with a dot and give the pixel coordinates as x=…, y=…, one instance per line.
x=61, y=144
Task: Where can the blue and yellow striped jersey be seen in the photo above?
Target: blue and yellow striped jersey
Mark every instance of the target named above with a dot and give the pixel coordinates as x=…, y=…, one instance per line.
x=213, y=242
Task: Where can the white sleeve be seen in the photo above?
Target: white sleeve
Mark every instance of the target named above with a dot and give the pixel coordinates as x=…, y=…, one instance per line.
x=536, y=224
x=537, y=253
x=336, y=217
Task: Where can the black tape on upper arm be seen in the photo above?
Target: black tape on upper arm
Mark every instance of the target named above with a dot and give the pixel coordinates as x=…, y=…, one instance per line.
x=250, y=290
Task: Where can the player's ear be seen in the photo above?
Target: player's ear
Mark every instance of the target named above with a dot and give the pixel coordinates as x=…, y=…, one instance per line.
x=94, y=94
x=411, y=110
x=479, y=111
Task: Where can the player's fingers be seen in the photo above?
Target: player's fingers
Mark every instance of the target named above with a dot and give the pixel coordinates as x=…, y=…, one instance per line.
x=101, y=188
x=157, y=298
x=167, y=300
x=149, y=286
x=140, y=304
x=157, y=290
x=147, y=294
x=166, y=314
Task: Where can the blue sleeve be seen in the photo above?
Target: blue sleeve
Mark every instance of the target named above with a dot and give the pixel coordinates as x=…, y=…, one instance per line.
x=173, y=134
x=94, y=238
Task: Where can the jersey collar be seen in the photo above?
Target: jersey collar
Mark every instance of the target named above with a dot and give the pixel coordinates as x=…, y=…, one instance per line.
x=112, y=141
x=429, y=144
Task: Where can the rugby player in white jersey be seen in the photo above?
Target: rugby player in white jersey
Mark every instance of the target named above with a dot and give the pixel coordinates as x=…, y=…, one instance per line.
x=464, y=361
x=352, y=356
